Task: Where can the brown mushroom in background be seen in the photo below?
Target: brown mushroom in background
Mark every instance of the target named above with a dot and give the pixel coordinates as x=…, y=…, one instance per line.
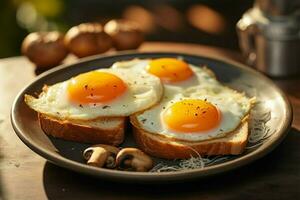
x=125, y=34
x=87, y=39
x=45, y=49
x=133, y=159
x=101, y=155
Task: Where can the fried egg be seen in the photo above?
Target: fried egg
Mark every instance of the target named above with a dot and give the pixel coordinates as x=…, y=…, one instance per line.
x=99, y=93
x=195, y=106
x=197, y=114
x=173, y=72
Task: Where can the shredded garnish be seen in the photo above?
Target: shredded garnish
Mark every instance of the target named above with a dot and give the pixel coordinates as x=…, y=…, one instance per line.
x=197, y=162
x=259, y=132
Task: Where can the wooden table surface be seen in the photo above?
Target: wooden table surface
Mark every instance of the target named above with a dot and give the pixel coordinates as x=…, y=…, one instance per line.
x=25, y=175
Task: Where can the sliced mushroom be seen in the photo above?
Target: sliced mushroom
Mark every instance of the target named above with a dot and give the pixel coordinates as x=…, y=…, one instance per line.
x=133, y=159
x=101, y=155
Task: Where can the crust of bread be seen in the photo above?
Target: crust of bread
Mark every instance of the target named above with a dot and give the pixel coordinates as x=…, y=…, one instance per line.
x=159, y=146
x=80, y=131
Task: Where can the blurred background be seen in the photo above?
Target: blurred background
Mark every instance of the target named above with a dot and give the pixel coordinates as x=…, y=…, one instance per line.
x=209, y=22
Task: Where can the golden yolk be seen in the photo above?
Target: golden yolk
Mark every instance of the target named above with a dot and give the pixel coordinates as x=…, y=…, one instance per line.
x=191, y=116
x=95, y=87
x=170, y=69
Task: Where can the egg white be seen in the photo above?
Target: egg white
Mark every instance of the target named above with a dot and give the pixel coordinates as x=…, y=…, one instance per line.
x=143, y=91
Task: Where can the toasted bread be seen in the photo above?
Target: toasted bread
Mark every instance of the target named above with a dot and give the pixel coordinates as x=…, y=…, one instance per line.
x=163, y=147
x=103, y=130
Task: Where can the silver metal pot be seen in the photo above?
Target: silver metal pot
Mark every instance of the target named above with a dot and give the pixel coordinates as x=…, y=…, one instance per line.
x=269, y=36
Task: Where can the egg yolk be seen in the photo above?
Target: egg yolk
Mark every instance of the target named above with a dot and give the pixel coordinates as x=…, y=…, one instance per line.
x=170, y=70
x=95, y=87
x=190, y=116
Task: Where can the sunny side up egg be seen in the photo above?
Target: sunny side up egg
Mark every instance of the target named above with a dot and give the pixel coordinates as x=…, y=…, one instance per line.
x=174, y=73
x=195, y=106
x=99, y=93
x=198, y=116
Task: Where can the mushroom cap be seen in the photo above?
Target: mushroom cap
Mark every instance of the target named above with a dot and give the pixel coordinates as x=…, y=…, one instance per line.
x=101, y=155
x=135, y=159
x=124, y=33
x=96, y=156
x=87, y=39
x=45, y=49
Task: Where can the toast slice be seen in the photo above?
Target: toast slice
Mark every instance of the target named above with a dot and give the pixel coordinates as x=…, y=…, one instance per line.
x=160, y=146
x=102, y=130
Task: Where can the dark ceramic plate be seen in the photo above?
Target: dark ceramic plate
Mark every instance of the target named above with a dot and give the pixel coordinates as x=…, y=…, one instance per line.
x=276, y=117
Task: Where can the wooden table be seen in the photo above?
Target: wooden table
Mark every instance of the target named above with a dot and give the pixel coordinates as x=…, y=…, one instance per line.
x=25, y=175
